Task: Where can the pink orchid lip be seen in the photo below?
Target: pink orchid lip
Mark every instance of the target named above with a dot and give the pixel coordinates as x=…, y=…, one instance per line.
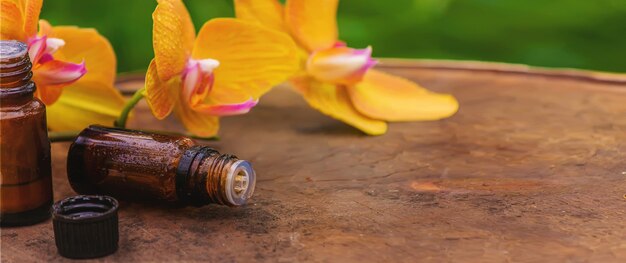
x=357, y=76
x=340, y=64
x=41, y=48
x=192, y=77
x=340, y=43
x=36, y=48
x=227, y=109
x=45, y=58
x=53, y=44
x=198, y=79
x=55, y=72
x=49, y=71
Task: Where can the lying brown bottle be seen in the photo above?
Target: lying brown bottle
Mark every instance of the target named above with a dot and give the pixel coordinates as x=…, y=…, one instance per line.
x=25, y=168
x=144, y=166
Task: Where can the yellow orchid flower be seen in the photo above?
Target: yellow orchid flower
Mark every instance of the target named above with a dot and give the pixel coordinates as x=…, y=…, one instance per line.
x=338, y=80
x=73, y=68
x=223, y=71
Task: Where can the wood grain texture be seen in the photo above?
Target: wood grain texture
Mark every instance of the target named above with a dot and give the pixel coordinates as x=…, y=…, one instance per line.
x=531, y=169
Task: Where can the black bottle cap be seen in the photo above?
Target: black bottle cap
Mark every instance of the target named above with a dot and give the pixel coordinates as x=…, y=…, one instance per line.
x=86, y=226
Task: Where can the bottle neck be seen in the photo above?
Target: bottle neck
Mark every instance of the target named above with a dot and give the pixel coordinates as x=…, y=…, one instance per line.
x=205, y=176
x=16, y=86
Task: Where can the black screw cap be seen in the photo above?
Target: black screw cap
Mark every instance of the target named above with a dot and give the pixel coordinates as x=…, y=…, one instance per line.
x=86, y=226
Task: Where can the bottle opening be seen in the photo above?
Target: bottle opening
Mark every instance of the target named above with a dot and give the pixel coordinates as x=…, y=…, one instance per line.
x=84, y=207
x=240, y=183
x=12, y=49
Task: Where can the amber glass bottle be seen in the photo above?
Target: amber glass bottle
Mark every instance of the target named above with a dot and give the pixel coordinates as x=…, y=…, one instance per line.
x=25, y=171
x=143, y=166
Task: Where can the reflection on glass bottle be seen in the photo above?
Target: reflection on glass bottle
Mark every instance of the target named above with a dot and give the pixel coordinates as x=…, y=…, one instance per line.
x=143, y=166
x=25, y=168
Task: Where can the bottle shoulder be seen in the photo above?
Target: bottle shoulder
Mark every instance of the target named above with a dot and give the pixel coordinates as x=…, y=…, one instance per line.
x=30, y=108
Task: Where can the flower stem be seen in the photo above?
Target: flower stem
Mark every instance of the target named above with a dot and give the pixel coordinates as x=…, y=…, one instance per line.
x=64, y=136
x=130, y=105
x=123, y=118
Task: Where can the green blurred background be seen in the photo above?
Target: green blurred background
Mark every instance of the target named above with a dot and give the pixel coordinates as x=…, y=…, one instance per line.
x=553, y=33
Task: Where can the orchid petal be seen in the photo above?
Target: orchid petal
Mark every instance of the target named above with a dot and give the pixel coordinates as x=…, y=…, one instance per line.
x=313, y=23
x=226, y=109
x=32, y=8
x=53, y=44
x=36, y=48
x=333, y=101
x=45, y=29
x=18, y=19
x=88, y=100
x=53, y=75
x=340, y=43
x=92, y=99
x=192, y=79
x=340, y=65
x=198, y=80
x=88, y=45
x=252, y=58
x=173, y=34
x=48, y=94
x=386, y=97
x=269, y=13
x=195, y=122
x=208, y=65
x=225, y=102
x=12, y=21
x=83, y=103
x=160, y=95
x=45, y=58
x=58, y=72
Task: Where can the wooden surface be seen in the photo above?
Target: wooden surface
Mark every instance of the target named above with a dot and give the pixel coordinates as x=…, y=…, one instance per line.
x=531, y=169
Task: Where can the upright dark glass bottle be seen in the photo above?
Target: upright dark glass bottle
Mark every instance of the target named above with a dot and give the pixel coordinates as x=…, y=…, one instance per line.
x=142, y=166
x=25, y=168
